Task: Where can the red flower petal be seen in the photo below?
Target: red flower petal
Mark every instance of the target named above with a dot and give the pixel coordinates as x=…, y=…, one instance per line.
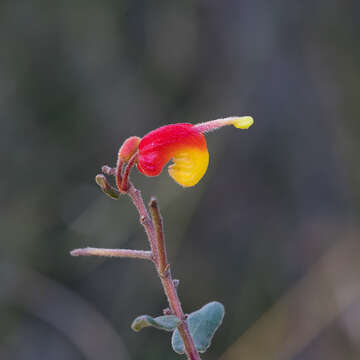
x=180, y=142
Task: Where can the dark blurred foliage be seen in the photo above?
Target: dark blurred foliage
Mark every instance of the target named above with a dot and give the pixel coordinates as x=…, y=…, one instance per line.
x=79, y=77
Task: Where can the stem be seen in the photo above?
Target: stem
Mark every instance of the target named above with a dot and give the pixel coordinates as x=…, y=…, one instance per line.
x=135, y=196
x=155, y=234
x=118, y=178
x=154, y=230
x=160, y=238
x=128, y=167
x=124, y=253
x=108, y=170
x=175, y=306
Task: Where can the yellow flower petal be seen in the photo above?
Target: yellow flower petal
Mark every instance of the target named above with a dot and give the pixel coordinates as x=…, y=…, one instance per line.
x=190, y=165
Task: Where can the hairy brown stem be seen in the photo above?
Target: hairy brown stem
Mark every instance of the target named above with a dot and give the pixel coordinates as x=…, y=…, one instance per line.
x=128, y=167
x=160, y=237
x=118, y=176
x=154, y=230
x=135, y=196
x=155, y=233
x=175, y=306
x=125, y=253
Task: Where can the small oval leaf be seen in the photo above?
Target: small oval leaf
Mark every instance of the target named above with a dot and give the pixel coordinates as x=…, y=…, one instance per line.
x=166, y=322
x=203, y=324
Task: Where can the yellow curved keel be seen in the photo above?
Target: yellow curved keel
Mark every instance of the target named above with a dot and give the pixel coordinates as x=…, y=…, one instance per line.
x=189, y=166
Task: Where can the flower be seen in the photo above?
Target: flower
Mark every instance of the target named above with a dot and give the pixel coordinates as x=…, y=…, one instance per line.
x=182, y=143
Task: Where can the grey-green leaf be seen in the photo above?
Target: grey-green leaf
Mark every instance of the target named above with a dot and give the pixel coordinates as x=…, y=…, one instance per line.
x=203, y=324
x=166, y=322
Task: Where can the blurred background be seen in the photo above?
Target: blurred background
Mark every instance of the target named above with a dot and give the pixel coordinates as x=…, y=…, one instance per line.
x=272, y=229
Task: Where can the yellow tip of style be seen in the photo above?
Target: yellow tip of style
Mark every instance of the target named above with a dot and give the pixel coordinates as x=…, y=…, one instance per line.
x=243, y=122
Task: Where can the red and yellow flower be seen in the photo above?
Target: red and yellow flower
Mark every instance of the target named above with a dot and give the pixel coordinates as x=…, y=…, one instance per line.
x=182, y=143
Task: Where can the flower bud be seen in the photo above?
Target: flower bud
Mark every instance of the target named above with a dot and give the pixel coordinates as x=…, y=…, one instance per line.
x=106, y=187
x=129, y=148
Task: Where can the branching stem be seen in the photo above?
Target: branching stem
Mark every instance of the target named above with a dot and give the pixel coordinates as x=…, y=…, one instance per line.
x=154, y=230
x=155, y=233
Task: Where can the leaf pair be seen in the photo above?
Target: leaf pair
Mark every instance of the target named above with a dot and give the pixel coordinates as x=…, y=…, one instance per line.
x=202, y=324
